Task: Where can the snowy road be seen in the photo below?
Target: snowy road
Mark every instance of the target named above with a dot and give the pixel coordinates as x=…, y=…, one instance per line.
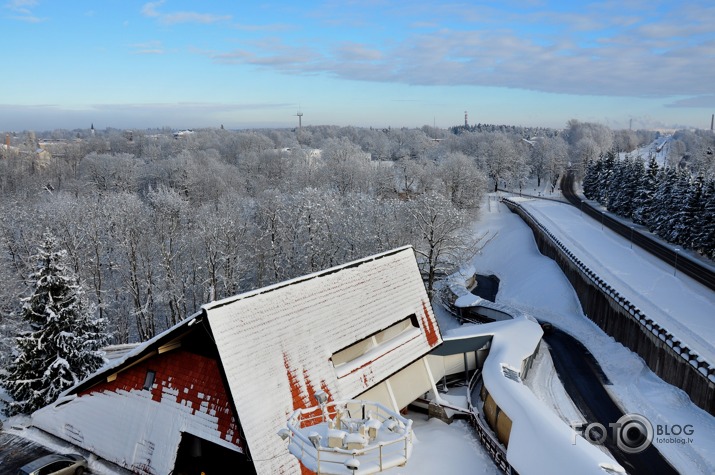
x=676, y=302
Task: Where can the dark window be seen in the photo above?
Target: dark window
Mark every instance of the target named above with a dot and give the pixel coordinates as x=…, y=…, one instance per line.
x=54, y=467
x=383, y=339
x=149, y=380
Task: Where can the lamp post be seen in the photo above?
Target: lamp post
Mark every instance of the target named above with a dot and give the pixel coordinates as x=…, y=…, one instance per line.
x=675, y=267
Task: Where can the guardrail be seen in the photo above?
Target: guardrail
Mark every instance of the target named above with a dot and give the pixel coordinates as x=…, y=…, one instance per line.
x=646, y=324
x=670, y=254
x=486, y=437
x=381, y=455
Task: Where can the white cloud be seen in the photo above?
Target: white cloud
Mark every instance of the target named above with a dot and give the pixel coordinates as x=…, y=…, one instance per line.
x=151, y=10
x=606, y=48
x=149, y=47
x=705, y=100
x=23, y=10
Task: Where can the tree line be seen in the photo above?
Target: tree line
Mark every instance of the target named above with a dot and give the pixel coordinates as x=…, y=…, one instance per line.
x=155, y=224
x=675, y=202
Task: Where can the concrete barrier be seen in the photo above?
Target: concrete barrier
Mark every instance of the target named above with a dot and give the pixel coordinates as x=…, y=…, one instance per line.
x=664, y=354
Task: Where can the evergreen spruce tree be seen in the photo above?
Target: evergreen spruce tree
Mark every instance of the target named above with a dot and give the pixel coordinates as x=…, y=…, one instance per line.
x=704, y=238
x=645, y=189
x=677, y=231
x=623, y=187
x=604, y=177
x=63, y=343
x=615, y=188
x=593, y=168
x=663, y=206
x=688, y=219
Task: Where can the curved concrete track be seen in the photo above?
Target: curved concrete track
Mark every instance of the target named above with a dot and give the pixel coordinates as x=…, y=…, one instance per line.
x=697, y=269
x=584, y=381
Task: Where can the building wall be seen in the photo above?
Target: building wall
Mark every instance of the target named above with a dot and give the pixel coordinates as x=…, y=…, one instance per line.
x=141, y=429
x=186, y=379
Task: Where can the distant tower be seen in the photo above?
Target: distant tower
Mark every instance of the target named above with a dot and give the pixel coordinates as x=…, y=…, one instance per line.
x=712, y=123
x=466, y=122
x=91, y=129
x=300, y=119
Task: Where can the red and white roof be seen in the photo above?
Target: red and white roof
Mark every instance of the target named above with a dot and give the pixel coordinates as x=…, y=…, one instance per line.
x=276, y=343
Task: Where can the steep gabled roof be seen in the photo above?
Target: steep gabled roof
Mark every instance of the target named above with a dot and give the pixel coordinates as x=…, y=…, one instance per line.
x=277, y=344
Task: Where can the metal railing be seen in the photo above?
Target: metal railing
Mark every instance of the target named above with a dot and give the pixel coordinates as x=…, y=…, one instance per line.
x=373, y=457
x=486, y=436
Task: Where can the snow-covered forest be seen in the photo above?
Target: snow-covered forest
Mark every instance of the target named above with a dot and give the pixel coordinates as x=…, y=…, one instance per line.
x=156, y=223
x=675, y=200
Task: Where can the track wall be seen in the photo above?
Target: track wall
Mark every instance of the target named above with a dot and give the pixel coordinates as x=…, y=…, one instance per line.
x=664, y=354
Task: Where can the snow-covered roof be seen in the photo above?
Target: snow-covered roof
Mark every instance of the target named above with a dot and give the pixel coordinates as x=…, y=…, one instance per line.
x=276, y=344
x=539, y=442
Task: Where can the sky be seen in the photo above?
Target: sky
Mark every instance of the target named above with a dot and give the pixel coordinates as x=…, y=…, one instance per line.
x=183, y=64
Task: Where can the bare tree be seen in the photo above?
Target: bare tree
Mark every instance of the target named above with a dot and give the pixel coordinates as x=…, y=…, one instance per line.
x=441, y=239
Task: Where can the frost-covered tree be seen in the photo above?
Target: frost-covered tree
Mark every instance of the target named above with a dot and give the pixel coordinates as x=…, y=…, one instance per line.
x=501, y=160
x=441, y=240
x=64, y=341
x=463, y=183
x=704, y=235
x=643, y=199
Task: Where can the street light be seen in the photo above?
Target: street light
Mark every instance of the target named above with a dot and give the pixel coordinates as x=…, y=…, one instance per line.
x=675, y=267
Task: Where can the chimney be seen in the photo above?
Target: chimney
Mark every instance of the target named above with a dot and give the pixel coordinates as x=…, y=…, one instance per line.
x=712, y=122
x=7, y=141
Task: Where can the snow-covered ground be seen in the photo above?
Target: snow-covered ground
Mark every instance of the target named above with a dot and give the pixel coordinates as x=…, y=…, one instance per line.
x=657, y=148
x=676, y=302
x=446, y=449
x=535, y=284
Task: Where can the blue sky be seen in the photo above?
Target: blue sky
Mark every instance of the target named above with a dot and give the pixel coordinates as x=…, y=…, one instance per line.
x=182, y=64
